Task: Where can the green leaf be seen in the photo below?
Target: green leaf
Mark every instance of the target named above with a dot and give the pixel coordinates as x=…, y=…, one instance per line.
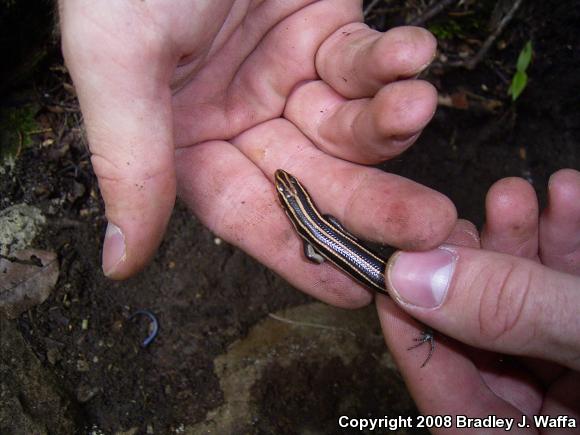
x=518, y=85
x=525, y=57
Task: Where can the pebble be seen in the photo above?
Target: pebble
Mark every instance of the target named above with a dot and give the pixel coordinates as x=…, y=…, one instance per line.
x=83, y=366
x=19, y=225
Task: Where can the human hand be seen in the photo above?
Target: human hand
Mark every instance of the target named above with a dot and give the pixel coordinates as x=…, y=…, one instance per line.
x=240, y=90
x=520, y=303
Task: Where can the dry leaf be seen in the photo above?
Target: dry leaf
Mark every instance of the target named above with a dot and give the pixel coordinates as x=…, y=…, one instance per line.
x=26, y=279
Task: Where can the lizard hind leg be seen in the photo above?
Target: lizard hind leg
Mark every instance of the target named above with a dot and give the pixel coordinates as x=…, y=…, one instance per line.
x=312, y=254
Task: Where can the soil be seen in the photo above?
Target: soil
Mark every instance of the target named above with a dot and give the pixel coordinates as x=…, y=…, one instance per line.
x=208, y=295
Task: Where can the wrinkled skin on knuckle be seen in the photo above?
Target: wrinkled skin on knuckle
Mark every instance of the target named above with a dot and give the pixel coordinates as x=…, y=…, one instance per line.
x=502, y=309
x=129, y=183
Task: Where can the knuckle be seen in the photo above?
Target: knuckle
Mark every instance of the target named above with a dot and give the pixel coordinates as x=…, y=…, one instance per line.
x=117, y=170
x=502, y=307
x=134, y=190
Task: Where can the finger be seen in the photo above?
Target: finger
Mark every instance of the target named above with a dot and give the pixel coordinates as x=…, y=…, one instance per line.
x=449, y=384
x=512, y=216
x=560, y=223
x=128, y=122
x=234, y=199
x=259, y=65
x=491, y=300
x=464, y=234
x=366, y=130
x=371, y=203
x=357, y=61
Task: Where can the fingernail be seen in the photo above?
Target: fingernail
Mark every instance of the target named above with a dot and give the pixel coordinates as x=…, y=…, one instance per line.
x=421, y=278
x=113, y=249
x=404, y=141
x=424, y=66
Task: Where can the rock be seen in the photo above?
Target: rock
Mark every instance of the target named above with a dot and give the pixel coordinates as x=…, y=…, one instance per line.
x=19, y=225
x=53, y=356
x=31, y=399
x=83, y=366
x=86, y=392
x=26, y=280
x=325, y=360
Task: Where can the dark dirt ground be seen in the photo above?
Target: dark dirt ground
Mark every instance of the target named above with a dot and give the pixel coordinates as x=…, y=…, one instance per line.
x=80, y=347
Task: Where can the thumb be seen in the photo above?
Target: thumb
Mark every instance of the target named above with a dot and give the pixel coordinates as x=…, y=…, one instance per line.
x=126, y=103
x=491, y=300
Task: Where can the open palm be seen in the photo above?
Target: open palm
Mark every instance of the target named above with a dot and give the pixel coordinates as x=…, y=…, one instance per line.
x=213, y=97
